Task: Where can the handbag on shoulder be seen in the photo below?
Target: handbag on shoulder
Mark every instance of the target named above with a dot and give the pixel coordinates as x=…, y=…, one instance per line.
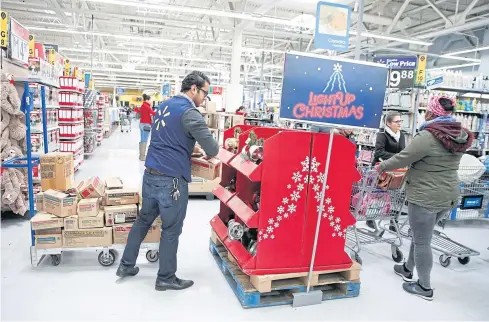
x=392, y=179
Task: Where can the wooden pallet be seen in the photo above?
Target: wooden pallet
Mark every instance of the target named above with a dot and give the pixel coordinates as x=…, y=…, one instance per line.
x=333, y=286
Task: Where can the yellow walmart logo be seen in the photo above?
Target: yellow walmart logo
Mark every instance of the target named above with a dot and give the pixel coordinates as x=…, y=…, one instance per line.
x=161, y=118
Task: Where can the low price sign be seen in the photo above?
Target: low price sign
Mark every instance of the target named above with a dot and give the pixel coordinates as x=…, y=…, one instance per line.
x=402, y=71
x=325, y=90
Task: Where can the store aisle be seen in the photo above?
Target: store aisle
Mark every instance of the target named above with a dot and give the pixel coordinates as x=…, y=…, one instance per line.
x=80, y=289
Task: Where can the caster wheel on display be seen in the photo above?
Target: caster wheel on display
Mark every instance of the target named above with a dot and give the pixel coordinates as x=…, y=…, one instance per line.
x=464, y=260
x=55, y=260
x=398, y=256
x=152, y=256
x=106, y=259
x=445, y=261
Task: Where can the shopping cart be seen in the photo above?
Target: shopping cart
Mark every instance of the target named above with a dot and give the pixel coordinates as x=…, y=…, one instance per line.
x=473, y=204
x=125, y=121
x=369, y=202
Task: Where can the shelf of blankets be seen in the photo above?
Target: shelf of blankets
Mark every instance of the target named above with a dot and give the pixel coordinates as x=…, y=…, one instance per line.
x=70, y=84
x=75, y=146
x=70, y=99
x=71, y=131
x=68, y=115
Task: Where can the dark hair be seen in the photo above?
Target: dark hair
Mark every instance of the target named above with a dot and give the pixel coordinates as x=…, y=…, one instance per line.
x=447, y=104
x=240, y=108
x=146, y=97
x=389, y=117
x=194, y=78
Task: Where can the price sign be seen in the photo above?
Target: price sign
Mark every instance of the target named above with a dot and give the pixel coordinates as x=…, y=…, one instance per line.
x=400, y=78
x=4, y=29
x=19, y=43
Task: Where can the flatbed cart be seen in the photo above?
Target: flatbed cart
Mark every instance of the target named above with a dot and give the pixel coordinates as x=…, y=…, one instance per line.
x=106, y=254
x=372, y=203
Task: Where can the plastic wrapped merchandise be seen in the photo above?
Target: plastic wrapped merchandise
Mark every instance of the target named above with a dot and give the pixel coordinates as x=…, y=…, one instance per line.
x=89, y=142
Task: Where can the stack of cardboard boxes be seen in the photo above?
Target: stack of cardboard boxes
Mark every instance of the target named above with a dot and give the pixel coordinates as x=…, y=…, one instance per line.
x=95, y=213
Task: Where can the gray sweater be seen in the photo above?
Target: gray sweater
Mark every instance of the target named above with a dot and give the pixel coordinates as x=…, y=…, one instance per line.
x=194, y=126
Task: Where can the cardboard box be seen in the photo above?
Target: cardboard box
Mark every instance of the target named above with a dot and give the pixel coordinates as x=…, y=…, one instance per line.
x=57, y=170
x=212, y=120
x=91, y=188
x=238, y=120
x=39, y=201
x=87, y=237
x=44, y=220
x=59, y=203
x=120, y=214
x=207, y=168
x=51, y=231
x=91, y=222
x=88, y=207
x=113, y=183
x=71, y=222
x=211, y=107
x=48, y=241
x=121, y=197
x=121, y=232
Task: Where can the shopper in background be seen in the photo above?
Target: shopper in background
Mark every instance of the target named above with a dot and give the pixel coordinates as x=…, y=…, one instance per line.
x=389, y=141
x=177, y=127
x=240, y=110
x=145, y=122
x=432, y=186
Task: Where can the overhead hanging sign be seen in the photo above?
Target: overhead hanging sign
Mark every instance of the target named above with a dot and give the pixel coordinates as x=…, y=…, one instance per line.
x=19, y=43
x=332, y=26
x=215, y=90
x=398, y=62
x=4, y=29
x=120, y=91
x=166, y=89
x=329, y=90
x=401, y=78
x=421, y=72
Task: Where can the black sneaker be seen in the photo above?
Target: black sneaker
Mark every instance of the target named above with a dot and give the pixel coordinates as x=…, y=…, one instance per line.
x=402, y=271
x=415, y=289
x=124, y=271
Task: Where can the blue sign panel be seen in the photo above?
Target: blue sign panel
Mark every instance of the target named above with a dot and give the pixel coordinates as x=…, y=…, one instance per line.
x=332, y=91
x=332, y=26
x=88, y=76
x=120, y=91
x=398, y=62
x=434, y=81
x=165, y=89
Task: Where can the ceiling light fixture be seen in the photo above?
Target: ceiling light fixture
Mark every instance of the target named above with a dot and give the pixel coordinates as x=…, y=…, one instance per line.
x=408, y=41
x=467, y=51
x=144, y=39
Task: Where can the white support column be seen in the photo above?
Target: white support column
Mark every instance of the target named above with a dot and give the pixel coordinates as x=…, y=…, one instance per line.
x=484, y=66
x=234, y=91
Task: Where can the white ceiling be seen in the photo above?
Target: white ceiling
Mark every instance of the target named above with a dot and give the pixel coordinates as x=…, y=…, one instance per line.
x=141, y=42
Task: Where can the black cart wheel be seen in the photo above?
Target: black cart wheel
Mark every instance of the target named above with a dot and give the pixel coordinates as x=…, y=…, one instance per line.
x=152, y=256
x=464, y=260
x=445, y=261
x=55, y=260
x=398, y=256
x=106, y=259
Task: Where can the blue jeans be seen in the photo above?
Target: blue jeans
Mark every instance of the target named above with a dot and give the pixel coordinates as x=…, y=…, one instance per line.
x=157, y=201
x=144, y=134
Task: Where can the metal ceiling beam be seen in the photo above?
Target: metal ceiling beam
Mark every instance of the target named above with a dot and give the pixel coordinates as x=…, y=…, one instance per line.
x=434, y=7
x=398, y=15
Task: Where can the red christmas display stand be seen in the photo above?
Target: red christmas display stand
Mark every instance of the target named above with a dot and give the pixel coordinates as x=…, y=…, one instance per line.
x=273, y=205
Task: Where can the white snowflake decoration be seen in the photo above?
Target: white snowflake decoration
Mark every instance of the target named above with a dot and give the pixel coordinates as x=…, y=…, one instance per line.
x=285, y=200
x=327, y=187
x=300, y=187
x=270, y=221
x=272, y=236
x=316, y=187
x=289, y=186
x=292, y=208
x=320, y=208
x=265, y=236
x=320, y=177
x=337, y=227
x=269, y=229
x=279, y=218
x=327, y=200
x=338, y=219
x=337, y=68
x=333, y=234
x=260, y=233
x=295, y=196
x=305, y=165
x=276, y=224
x=259, y=238
x=318, y=197
x=331, y=223
x=340, y=233
x=330, y=217
x=325, y=215
x=296, y=177
x=331, y=209
x=280, y=209
x=314, y=165
x=286, y=215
